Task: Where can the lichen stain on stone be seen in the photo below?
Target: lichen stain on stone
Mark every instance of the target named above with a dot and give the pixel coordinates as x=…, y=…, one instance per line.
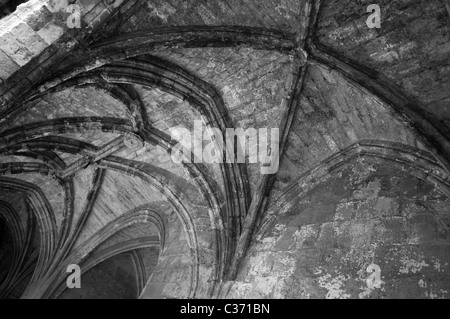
x=361, y=171
x=266, y=277
x=422, y=284
x=369, y=192
x=410, y=265
x=335, y=286
x=163, y=12
x=367, y=291
x=441, y=294
x=305, y=234
x=276, y=232
x=437, y=265
x=232, y=95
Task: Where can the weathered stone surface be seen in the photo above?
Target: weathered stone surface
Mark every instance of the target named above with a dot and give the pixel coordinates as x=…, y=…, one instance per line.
x=7, y=66
x=411, y=48
x=254, y=85
x=323, y=244
x=282, y=15
x=51, y=32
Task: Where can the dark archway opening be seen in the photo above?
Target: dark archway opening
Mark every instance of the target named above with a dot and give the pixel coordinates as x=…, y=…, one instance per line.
x=114, y=278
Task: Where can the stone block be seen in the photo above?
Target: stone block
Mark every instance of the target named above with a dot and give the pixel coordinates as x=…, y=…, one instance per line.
x=51, y=32
x=14, y=49
x=87, y=5
x=94, y=13
x=7, y=66
x=34, y=13
x=25, y=35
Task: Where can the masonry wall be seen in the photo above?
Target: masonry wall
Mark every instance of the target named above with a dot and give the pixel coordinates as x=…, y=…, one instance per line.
x=371, y=211
x=172, y=275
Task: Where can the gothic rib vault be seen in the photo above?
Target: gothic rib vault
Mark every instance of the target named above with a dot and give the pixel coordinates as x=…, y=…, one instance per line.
x=87, y=176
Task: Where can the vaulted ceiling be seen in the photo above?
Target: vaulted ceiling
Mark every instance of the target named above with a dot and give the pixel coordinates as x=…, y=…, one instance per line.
x=86, y=117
